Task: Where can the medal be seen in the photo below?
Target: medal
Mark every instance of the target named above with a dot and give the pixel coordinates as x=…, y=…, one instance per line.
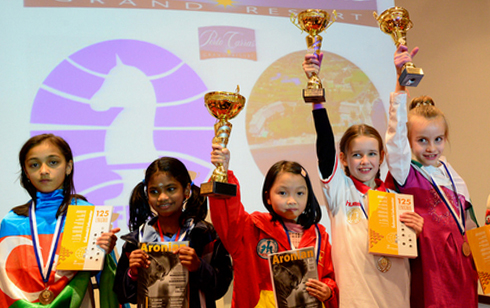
x=354, y=216
x=46, y=297
x=383, y=264
x=466, y=249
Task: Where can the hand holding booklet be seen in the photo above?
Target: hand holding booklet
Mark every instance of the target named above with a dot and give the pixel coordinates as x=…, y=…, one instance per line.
x=165, y=283
x=290, y=270
x=83, y=225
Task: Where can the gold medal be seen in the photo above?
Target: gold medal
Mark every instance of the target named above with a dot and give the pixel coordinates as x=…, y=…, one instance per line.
x=466, y=249
x=354, y=216
x=46, y=297
x=383, y=264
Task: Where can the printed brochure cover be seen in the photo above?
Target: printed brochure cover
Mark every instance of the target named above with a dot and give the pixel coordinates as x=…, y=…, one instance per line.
x=479, y=240
x=83, y=225
x=387, y=234
x=290, y=270
x=166, y=282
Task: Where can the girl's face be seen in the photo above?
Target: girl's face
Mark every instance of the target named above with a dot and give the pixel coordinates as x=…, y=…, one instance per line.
x=427, y=139
x=46, y=167
x=363, y=159
x=166, y=195
x=288, y=195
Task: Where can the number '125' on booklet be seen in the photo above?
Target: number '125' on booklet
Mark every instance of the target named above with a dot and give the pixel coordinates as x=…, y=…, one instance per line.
x=387, y=234
x=83, y=225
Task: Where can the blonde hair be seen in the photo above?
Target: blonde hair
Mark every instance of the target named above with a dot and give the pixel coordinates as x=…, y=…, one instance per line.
x=425, y=107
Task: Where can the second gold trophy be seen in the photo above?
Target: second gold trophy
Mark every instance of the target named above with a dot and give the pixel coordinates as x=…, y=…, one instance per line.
x=313, y=21
x=223, y=106
x=396, y=22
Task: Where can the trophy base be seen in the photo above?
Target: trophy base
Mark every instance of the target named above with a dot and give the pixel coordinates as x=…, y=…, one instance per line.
x=314, y=95
x=411, y=76
x=218, y=189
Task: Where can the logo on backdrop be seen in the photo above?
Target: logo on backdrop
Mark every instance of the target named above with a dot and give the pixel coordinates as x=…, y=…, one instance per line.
x=227, y=42
x=121, y=104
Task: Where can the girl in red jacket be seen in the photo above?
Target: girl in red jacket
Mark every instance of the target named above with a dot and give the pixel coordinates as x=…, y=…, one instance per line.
x=292, y=223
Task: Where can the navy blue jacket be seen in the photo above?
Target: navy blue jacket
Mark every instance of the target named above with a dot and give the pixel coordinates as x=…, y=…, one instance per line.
x=213, y=278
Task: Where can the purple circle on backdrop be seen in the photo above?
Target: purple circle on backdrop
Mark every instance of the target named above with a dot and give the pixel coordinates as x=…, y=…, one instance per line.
x=109, y=71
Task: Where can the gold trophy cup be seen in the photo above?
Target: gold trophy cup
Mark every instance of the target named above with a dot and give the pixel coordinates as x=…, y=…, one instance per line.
x=313, y=21
x=223, y=106
x=396, y=22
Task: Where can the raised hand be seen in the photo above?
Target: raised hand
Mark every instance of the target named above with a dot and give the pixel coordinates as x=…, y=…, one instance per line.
x=220, y=155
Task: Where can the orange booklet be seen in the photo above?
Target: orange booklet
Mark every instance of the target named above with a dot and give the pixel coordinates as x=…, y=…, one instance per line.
x=479, y=240
x=83, y=225
x=387, y=234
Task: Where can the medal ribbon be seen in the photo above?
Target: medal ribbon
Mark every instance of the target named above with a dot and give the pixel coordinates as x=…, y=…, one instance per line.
x=173, y=238
x=362, y=205
x=176, y=237
x=45, y=271
x=459, y=219
x=317, y=243
x=363, y=190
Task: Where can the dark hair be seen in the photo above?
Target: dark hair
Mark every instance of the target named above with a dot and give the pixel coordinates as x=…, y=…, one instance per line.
x=62, y=145
x=139, y=208
x=424, y=106
x=312, y=213
x=356, y=131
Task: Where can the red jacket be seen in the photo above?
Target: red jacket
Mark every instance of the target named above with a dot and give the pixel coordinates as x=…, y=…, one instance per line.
x=249, y=238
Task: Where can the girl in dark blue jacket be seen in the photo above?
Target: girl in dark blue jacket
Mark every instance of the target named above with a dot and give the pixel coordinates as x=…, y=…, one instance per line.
x=166, y=207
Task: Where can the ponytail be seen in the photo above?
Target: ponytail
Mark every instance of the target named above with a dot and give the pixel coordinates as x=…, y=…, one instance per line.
x=196, y=206
x=139, y=209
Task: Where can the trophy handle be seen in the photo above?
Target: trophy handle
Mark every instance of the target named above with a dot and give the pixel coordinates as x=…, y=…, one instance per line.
x=293, y=19
x=330, y=22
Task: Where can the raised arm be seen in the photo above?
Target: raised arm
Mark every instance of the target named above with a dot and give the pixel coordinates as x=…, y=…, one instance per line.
x=227, y=214
x=398, y=152
x=325, y=142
